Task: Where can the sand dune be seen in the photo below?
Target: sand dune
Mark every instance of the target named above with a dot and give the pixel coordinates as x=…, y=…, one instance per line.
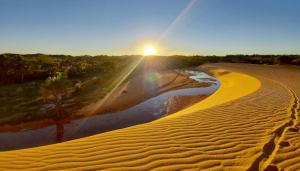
x=285, y=151
x=250, y=123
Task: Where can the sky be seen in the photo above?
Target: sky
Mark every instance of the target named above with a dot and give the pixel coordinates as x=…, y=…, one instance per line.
x=119, y=27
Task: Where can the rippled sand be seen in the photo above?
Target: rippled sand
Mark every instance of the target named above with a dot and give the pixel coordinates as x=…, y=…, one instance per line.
x=250, y=123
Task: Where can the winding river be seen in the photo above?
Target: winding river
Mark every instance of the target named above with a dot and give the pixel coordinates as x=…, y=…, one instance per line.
x=146, y=111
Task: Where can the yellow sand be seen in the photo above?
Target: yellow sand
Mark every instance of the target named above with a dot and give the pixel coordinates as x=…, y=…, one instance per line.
x=230, y=89
x=239, y=127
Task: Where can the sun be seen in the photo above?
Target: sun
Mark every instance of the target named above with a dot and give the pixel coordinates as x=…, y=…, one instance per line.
x=149, y=51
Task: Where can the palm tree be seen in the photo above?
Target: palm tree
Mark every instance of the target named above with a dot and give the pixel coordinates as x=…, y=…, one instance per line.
x=55, y=90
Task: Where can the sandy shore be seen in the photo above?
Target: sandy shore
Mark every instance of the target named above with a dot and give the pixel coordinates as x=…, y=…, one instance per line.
x=141, y=88
x=250, y=123
x=178, y=103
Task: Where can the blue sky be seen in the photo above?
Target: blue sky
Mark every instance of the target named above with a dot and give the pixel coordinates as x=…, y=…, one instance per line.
x=203, y=27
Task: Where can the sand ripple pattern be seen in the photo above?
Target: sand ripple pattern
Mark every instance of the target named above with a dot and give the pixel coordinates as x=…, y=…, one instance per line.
x=230, y=136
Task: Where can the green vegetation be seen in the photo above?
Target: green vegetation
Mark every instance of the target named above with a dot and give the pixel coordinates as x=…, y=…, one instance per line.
x=55, y=90
x=22, y=79
x=15, y=68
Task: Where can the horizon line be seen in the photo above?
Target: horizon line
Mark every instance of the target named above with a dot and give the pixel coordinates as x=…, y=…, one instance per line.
x=234, y=54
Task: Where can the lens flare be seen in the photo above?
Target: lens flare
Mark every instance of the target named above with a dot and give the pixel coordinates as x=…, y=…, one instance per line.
x=149, y=50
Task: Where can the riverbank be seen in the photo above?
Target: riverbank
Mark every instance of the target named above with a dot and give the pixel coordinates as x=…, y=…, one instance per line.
x=141, y=88
x=146, y=111
x=124, y=96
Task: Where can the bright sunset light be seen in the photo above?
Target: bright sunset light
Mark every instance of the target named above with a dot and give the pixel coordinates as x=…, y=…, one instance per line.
x=150, y=85
x=148, y=51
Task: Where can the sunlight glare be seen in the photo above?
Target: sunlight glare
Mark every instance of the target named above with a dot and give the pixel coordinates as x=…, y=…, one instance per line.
x=149, y=50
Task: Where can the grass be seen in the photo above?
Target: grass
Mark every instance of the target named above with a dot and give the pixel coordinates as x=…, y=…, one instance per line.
x=21, y=102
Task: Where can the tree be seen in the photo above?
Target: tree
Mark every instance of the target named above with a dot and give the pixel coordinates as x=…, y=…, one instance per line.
x=55, y=90
x=284, y=60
